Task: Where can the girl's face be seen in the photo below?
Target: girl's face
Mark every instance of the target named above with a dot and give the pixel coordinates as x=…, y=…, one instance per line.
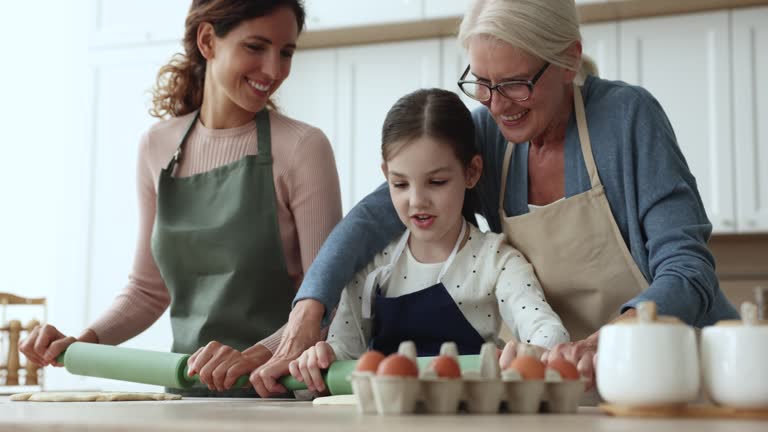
x=427, y=184
x=548, y=106
x=248, y=65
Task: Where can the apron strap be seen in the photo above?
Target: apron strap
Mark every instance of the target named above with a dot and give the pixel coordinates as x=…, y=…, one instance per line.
x=177, y=154
x=586, y=144
x=372, y=279
x=504, y=173
x=383, y=272
x=586, y=150
x=263, y=133
x=455, y=250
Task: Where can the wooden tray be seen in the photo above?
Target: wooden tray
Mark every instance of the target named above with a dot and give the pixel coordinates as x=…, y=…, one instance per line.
x=697, y=410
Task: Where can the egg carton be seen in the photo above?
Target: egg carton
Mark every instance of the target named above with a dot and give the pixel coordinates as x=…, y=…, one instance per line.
x=486, y=391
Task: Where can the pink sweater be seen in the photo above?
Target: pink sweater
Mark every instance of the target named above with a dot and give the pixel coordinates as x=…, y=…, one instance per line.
x=308, y=206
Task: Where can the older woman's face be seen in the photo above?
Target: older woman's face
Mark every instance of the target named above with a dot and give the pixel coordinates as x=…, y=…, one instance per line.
x=495, y=61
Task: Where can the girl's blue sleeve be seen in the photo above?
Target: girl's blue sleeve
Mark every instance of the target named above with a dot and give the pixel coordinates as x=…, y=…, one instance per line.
x=368, y=228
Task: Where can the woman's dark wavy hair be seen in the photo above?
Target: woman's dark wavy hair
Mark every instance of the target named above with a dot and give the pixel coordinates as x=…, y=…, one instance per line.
x=179, y=86
x=438, y=114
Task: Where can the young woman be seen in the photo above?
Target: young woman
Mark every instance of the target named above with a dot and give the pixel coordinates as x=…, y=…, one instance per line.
x=235, y=198
x=442, y=280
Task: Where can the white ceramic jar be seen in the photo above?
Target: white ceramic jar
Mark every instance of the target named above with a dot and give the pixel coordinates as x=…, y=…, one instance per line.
x=734, y=357
x=648, y=361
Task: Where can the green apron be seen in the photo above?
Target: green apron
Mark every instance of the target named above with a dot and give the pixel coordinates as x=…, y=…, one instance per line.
x=216, y=241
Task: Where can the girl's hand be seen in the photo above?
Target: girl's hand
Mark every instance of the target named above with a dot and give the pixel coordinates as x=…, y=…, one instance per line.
x=219, y=365
x=307, y=367
x=514, y=349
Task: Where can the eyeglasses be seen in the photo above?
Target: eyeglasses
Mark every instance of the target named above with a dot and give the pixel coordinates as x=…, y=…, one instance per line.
x=517, y=90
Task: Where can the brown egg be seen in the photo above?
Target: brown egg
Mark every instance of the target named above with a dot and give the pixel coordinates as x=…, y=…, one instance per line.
x=445, y=367
x=528, y=367
x=369, y=361
x=397, y=365
x=565, y=368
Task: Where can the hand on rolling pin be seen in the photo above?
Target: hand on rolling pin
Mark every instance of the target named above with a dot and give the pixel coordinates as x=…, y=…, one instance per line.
x=301, y=332
x=45, y=343
x=307, y=367
x=219, y=365
x=514, y=349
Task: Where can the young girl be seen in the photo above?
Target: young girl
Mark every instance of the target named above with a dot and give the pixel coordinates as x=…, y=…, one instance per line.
x=443, y=280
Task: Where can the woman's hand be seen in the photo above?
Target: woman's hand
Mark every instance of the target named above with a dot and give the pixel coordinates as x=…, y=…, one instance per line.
x=301, y=333
x=219, y=365
x=307, y=367
x=582, y=353
x=45, y=343
x=514, y=349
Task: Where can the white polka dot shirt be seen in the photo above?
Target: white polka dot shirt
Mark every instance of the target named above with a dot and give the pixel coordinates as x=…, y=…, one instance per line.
x=489, y=280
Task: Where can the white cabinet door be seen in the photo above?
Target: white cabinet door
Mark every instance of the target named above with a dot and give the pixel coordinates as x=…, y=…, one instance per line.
x=122, y=22
x=118, y=118
x=309, y=93
x=455, y=61
x=601, y=43
x=324, y=14
x=750, y=69
x=684, y=62
x=445, y=8
x=371, y=78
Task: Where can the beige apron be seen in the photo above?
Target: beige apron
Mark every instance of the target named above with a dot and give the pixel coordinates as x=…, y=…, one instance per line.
x=576, y=248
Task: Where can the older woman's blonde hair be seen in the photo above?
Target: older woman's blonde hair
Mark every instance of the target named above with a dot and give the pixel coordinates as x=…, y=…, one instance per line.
x=543, y=28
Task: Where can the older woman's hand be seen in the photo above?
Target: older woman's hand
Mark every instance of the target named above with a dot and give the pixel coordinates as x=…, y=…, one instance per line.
x=582, y=353
x=219, y=366
x=301, y=332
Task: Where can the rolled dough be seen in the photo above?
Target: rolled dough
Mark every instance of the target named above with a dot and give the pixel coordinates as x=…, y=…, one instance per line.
x=339, y=400
x=91, y=396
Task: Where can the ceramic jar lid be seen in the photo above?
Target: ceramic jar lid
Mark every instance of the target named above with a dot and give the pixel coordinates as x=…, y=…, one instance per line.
x=646, y=314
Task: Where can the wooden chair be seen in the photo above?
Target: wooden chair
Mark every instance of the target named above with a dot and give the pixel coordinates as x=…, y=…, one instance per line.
x=11, y=331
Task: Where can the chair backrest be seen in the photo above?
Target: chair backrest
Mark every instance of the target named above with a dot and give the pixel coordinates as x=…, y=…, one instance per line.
x=10, y=334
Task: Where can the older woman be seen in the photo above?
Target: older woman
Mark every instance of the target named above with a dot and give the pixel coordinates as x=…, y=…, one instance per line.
x=583, y=175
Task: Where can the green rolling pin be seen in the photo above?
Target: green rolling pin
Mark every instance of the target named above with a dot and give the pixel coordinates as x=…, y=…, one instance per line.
x=170, y=369
x=129, y=364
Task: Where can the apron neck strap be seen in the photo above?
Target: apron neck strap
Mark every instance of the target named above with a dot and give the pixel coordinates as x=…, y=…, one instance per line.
x=586, y=144
x=381, y=274
x=586, y=148
x=177, y=153
x=263, y=133
x=263, y=136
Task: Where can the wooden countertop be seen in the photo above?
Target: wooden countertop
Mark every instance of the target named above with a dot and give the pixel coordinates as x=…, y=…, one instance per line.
x=273, y=415
x=445, y=27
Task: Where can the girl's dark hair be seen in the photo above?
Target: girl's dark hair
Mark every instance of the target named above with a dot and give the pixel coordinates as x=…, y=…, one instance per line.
x=179, y=86
x=438, y=114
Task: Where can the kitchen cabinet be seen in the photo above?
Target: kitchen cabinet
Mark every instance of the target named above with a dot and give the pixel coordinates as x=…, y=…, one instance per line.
x=445, y=8
x=750, y=117
x=684, y=61
x=116, y=22
x=309, y=93
x=454, y=61
x=370, y=80
x=325, y=14
x=600, y=42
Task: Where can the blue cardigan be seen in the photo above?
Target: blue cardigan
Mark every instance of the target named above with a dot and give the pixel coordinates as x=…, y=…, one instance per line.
x=650, y=189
